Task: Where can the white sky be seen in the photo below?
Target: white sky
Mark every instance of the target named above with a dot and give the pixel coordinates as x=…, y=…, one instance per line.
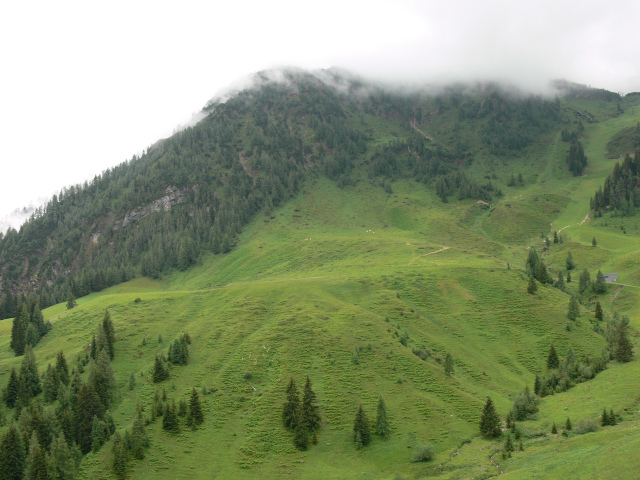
x=85, y=85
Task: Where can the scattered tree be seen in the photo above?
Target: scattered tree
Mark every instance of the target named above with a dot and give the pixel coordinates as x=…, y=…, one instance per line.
x=291, y=406
x=598, y=312
x=490, y=421
x=552, y=359
x=361, y=431
x=569, y=263
x=574, y=309
x=195, y=415
x=532, y=287
x=448, y=364
x=382, y=423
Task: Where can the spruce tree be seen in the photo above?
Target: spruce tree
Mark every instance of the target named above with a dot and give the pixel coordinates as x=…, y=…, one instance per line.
x=600, y=286
x=60, y=461
x=132, y=381
x=301, y=438
x=13, y=387
x=598, y=312
x=361, y=427
x=554, y=430
x=102, y=377
x=537, y=385
x=622, y=348
x=310, y=416
x=532, y=287
x=585, y=281
x=612, y=418
x=61, y=368
x=290, y=407
x=382, y=422
x=560, y=282
x=569, y=263
x=605, y=418
x=574, y=309
x=139, y=437
x=508, y=445
x=36, y=467
x=568, y=426
x=170, y=418
x=98, y=433
x=120, y=457
x=12, y=455
x=195, y=415
x=490, y=421
x=160, y=372
x=88, y=405
x=448, y=364
x=71, y=301
x=553, y=362
x=29, y=373
x=110, y=335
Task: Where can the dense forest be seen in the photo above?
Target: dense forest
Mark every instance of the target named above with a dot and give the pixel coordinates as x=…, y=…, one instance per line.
x=194, y=192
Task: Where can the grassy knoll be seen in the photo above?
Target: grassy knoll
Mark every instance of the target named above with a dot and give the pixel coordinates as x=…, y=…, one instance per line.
x=344, y=285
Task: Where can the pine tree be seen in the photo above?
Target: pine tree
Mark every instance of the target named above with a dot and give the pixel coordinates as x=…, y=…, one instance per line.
x=71, y=301
x=599, y=285
x=568, y=426
x=555, y=236
x=605, y=418
x=301, y=438
x=160, y=372
x=290, y=407
x=102, y=377
x=29, y=373
x=622, y=347
x=98, y=433
x=537, y=385
x=448, y=364
x=554, y=430
x=594, y=242
x=50, y=384
x=195, y=415
x=361, y=427
x=585, y=281
x=12, y=455
x=569, y=263
x=107, y=326
x=139, y=437
x=490, y=421
x=310, y=416
x=553, y=362
x=132, y=381
x=119, y=457
x=532, y=287
x=612, y=418
x=508, y=445
x=62, y=369
x=382, y=422
x=36, y=467
x=13, y=387
x=88, y=405
x=170, y=418
x=598, y=312
x=560, y=282
x=568, y=277
x=574, y=309
x=60, y=462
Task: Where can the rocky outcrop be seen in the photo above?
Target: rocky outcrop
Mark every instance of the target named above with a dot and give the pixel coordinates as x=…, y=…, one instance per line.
x=172, y=197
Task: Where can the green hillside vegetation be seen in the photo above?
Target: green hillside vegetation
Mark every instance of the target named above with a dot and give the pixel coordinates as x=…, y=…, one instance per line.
x=350, y=269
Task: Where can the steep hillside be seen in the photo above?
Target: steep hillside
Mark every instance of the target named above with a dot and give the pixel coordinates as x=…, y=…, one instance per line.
x=390, y=249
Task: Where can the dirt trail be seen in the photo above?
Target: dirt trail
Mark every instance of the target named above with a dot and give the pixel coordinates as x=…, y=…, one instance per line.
x=425, y=254
x=585, y=219
x=428, y=137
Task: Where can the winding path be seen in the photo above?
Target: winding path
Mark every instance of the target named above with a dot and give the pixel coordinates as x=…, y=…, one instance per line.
x=425, y=254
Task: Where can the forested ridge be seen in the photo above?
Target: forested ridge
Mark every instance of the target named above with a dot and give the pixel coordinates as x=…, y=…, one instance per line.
x=195, y=191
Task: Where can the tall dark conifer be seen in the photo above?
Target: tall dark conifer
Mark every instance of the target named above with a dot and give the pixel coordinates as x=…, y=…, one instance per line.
x=12, y=455
x=110, y=334
x=29, y=373
x=361, y=429
x=291, y=406
x=553, y=362
x=13, y=388
x=195, y=415
x=310, y=414
x=490, y=421
x=382, y=422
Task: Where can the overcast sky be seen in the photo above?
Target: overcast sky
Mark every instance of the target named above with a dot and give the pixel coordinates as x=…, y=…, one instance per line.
x=85, y=85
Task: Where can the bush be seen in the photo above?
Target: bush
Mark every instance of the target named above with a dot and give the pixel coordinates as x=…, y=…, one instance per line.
x=586, y=425
x=424, y=453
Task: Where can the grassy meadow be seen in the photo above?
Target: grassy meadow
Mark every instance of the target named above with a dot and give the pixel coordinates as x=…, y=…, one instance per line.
x=329, y=284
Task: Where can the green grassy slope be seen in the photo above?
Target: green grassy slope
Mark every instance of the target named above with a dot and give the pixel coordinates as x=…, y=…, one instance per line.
x=327, y=284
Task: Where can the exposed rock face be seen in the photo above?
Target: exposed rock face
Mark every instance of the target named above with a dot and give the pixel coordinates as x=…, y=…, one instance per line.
x=172, y=197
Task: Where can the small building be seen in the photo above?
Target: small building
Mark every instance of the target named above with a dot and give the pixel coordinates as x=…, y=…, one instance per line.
x=610, y=277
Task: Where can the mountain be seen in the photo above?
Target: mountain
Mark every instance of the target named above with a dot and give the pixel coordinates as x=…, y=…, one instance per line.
x=379, y=241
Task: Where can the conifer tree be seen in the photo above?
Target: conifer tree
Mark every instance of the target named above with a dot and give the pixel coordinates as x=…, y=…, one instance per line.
x=560, y=282
x=537, y=385
x=508, y=445
x=13, y=387
x=71, y=301
x=160, y=372
x=448, y=364
x=29, y=373
x=612, y=418
x=600, y=286
x=568, y=277
x=574, y=309
x=382, y=422
x=139, y=437
x=62, y=369
x=88, y=405
x=290, y=407
x=98, y=433
x=361, y=427
x=119, y=457
x=195, y=415
x=170, y=418
x=568, y=426
x=36, y=467
x=12, y=455
x=310, y=416
x=102, y=377
x=490, y=421
x=553, y=362
x=605, y=418
x=594, y=242
x=585, y=281
x=60, y=462
x=301, y=438
x=532, y=287
x=569, y=263
x=622, y=347
x=598, y=312
x=132, y=381
x=50, y=384
x=110, y=335
x=554, y=430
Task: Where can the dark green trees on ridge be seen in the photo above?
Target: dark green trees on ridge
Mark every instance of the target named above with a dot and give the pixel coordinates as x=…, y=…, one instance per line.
x=301, y=417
